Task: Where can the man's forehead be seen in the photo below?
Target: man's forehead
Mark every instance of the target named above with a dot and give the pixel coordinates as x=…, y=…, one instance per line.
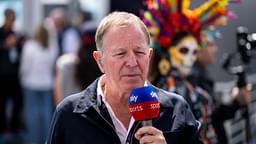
x=123, y=37
x=141, y=48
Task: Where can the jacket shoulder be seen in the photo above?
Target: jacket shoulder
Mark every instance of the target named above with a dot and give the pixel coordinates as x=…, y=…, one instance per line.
x=69, y=102
x=79, y=102
x=169, y=99
x=179, y=107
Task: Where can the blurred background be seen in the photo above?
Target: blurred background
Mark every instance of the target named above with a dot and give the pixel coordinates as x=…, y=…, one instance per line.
x=31, y=12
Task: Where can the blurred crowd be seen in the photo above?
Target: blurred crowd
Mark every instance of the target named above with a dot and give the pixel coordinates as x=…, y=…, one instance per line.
x=37, y=72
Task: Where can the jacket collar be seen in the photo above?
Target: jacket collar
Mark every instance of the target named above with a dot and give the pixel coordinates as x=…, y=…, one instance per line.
x=87, y=99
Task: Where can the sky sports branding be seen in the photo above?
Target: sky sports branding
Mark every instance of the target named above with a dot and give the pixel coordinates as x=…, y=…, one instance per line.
x=140, y=107
x=142, y=94
x=134, y=98
x=144, y=103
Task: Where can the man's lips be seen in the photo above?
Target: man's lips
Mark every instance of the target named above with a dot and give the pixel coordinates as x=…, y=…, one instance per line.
x=130, y=75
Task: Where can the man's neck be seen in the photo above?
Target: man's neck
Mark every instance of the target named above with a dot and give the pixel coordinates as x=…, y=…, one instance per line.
x=119, y=104
x=122, y=112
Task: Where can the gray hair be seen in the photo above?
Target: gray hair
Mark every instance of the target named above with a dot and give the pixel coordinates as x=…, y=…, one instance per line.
x=118, y=19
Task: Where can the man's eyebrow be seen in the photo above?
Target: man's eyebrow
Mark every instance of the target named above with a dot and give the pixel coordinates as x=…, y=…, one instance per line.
x=143, y=48
x=118, y=50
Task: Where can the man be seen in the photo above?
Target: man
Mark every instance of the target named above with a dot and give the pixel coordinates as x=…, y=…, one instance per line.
x=100, y=114
x=9, y=81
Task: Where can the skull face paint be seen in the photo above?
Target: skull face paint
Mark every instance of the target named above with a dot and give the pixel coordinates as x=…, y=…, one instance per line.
x=183, y=55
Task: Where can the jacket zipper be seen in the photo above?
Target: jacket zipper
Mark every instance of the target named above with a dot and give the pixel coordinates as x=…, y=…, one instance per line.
x=105, y=121
x=129, y=140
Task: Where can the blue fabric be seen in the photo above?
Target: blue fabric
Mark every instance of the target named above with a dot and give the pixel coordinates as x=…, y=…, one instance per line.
x=38, y=112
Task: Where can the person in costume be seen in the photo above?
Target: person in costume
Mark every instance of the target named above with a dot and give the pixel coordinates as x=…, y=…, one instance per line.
x=200, y=77
x=177, y=36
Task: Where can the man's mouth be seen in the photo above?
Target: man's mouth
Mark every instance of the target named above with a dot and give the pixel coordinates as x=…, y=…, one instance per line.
x=131, y=75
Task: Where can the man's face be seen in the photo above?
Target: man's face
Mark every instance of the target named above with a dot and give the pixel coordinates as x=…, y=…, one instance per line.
x=125, y=58
x=10, y=19
x=183, y=55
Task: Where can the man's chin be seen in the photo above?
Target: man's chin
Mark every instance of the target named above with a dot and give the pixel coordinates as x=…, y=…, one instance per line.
x=133, y=84
x=132, y=79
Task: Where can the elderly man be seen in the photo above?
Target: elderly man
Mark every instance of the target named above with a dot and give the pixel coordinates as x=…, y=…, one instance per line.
x=100, y=114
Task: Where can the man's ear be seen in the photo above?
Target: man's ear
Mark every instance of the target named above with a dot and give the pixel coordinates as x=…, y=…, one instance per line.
x=97, y=57
x=151, y=52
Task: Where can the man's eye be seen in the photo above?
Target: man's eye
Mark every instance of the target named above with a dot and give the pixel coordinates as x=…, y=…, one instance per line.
x=122, y=53
x=140, y=53
x=119, y=54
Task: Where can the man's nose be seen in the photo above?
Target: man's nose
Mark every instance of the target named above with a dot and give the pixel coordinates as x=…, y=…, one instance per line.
x=131, y=60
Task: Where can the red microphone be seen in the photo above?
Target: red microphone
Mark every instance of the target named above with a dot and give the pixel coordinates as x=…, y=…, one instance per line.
x=144, y=105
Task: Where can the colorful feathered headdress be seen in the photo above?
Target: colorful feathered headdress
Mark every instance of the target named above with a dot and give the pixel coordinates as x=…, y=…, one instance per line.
x=165, y=18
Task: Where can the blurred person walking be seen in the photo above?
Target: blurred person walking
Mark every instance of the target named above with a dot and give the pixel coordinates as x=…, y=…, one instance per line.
x=9, y=80
x=64, y=36
x=55, y=25
x=36, y=71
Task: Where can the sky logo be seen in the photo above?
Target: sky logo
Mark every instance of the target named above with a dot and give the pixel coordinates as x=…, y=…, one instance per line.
x=133, y=98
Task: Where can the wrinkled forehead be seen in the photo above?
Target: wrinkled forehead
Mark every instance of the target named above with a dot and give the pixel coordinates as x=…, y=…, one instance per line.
x=188, y=42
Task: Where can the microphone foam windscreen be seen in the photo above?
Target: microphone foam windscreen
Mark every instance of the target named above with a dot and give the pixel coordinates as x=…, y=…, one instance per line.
x=144, y=103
